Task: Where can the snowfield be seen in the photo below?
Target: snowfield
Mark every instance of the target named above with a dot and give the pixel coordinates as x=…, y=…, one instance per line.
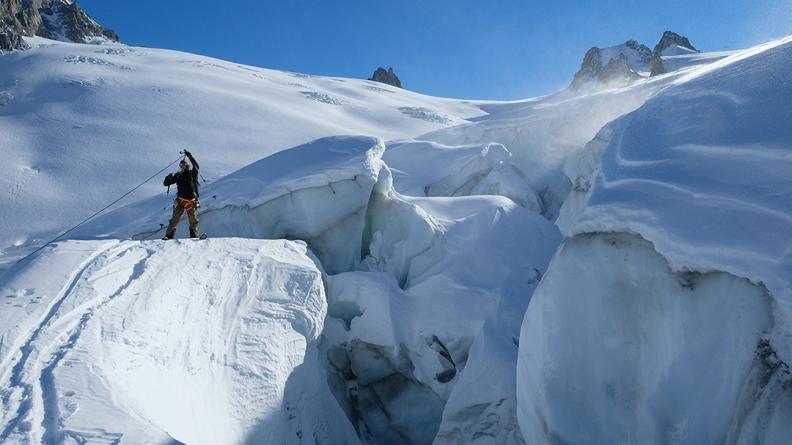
x=391, y=268
x=113, y=115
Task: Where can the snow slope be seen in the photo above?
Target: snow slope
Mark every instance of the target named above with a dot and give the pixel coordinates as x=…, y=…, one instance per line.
x=87, y=123
x=695, y=303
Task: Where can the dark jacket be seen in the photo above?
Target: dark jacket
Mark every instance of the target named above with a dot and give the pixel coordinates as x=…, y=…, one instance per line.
x=186, y=182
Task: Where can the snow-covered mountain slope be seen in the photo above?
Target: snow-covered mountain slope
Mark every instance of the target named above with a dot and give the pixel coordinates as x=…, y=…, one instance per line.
x=87, y=123
x=54, y=19
x=695, y=303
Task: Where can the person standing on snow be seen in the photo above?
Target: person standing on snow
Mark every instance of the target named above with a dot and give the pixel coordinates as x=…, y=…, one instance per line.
x=186, y=180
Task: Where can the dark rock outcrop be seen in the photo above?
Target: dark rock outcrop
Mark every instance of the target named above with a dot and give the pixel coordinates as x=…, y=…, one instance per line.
x=9, y=25
x=387, y=77
x=671, y=38
x=617, y=71
x=657, y=67
x=613, y=66
x=589, y=69
x=55, y=19
x=645, y=55
x=10, y=40
x=62, y=19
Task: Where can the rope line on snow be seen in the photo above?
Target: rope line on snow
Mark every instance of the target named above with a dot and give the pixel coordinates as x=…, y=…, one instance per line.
x=98, y=212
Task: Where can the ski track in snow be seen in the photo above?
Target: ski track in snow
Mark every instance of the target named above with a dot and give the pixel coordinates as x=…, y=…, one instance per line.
x=23, y=374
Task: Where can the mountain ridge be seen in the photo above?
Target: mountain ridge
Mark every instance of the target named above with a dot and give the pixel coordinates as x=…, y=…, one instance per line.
x=54, y=19
x=597, y=70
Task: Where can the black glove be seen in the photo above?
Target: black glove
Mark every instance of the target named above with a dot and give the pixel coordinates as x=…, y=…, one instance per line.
x=187, y=153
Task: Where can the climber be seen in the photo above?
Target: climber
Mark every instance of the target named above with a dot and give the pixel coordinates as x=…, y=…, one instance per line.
x=186, y=180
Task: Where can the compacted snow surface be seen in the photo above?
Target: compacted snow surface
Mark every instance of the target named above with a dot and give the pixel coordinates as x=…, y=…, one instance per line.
x=391, y=268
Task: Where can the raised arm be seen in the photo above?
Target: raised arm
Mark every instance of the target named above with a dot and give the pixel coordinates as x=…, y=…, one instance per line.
x=192, y=160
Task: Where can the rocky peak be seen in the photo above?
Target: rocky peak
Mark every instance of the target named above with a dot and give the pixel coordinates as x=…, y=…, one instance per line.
x=672, y=42
x=616, y=64
x=64, y=19
x=642, y=51
x=617, y=71
x=10, y=38
x=387, y=77
x=620, y=64
x=54, y=19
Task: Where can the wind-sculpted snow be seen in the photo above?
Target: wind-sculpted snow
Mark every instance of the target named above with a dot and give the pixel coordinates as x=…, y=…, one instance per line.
x=545, y=133
x=147, y=342
x=542, y=134
x=431, y=169
x=682, y=334
x=702, y=171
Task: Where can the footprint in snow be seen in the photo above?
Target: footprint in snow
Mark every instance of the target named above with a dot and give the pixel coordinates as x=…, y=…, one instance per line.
x=321, y=97
x=426, y=114
x=116, y=51
x=378, y=89
x=93, y=61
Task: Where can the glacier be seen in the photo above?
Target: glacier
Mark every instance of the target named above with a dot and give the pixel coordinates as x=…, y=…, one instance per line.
x=595, y=267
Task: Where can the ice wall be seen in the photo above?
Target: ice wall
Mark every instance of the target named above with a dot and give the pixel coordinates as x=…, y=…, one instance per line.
x=631, y=351
x=432, y=358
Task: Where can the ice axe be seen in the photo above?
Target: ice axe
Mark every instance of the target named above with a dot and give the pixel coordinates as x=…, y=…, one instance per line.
x=182, y=152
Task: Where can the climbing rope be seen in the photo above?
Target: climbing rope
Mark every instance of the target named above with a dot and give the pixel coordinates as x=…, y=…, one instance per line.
x=98, y=212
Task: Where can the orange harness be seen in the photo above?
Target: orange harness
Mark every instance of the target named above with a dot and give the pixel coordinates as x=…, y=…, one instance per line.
x=186, y=203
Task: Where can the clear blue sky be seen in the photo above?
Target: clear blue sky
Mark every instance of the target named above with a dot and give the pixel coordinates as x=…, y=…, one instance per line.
x=497, y=49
